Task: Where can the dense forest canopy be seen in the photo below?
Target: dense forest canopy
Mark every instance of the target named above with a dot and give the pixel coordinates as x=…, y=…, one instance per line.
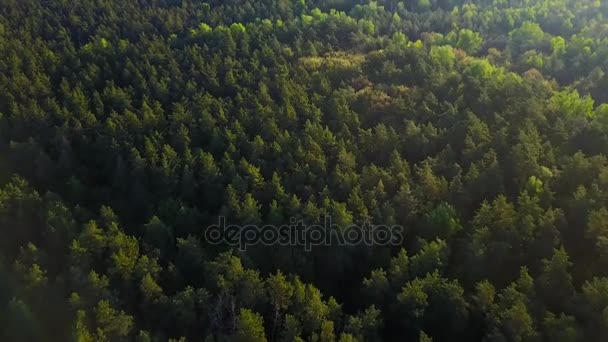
x=128, y=127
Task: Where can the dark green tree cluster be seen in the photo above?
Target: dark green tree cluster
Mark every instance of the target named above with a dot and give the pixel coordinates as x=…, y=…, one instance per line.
x=128, y=127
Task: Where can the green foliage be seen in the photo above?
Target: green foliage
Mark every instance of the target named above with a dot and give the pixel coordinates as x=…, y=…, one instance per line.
x=249, y=327
x=527, y=36
x=571, y=105
x=128, y=127
x=469, y=41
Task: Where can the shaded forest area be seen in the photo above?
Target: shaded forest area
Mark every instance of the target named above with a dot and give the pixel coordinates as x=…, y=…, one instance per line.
x=128, y=127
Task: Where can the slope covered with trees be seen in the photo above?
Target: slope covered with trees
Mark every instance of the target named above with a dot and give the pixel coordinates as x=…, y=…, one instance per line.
x=128, y=127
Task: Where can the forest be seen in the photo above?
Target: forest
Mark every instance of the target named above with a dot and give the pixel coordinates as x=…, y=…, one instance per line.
x=128, y=127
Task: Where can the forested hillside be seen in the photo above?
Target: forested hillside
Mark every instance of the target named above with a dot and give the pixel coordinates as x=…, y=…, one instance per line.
x=127, y=127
